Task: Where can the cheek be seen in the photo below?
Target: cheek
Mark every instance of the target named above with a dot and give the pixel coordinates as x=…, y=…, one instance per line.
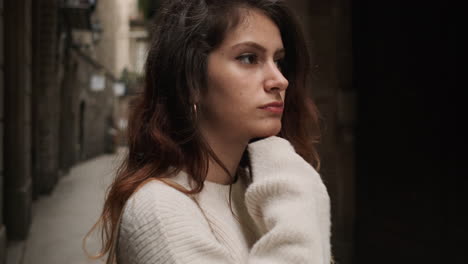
x=232, y=95
x=230, y=105
x=230, y=90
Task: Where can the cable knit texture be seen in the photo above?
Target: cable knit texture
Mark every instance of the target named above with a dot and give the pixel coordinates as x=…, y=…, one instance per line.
x=284, y=216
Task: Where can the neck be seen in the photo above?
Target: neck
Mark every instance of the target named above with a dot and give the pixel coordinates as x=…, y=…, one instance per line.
x=229, y=152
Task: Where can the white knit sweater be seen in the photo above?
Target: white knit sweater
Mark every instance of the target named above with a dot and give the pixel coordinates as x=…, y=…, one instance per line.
x=284, y=216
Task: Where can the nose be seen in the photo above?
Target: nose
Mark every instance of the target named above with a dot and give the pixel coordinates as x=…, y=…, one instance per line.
x=275, y=80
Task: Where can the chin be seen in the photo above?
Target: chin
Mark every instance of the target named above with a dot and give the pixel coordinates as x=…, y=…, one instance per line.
x=267, y=130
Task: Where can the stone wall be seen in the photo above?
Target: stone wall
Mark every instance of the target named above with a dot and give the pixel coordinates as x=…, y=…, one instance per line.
x=50, y=119
x=46, y=96
x=17, y=118
x=2, y=226
x=86, y=114
x=328, y=32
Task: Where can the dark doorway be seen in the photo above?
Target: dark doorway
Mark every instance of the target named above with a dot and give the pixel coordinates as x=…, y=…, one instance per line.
x=409, y=189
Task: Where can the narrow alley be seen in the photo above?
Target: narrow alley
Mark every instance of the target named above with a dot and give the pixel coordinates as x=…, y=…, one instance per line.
x=382, y=75
x=61, y=220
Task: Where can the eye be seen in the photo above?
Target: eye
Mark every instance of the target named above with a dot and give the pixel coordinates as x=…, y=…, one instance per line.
x=248, y=59
x=279, y=63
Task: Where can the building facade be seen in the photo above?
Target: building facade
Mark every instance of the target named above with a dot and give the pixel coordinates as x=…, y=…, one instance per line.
x=3, y=238
x=58, y=98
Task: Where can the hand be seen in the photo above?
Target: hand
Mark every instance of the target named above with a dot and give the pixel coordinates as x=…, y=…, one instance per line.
x=275, y=157
x=271, y=148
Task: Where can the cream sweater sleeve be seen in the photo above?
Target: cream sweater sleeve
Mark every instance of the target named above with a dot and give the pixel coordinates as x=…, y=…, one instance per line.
x=287, y=201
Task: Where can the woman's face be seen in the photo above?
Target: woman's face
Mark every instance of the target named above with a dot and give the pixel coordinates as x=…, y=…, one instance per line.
x=244, y=77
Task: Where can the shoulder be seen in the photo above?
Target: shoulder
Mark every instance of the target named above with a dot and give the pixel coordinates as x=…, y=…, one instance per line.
x=156, y=191
x=159, y=221
x=158, y=210
x=155, y=201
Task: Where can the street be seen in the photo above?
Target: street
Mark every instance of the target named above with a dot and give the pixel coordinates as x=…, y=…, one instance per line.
x=61, y=220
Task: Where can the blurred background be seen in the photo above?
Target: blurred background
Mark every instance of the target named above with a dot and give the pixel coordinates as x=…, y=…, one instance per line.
x=384, y=79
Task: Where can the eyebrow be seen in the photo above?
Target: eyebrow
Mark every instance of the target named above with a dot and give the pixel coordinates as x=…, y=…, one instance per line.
x=256, y=46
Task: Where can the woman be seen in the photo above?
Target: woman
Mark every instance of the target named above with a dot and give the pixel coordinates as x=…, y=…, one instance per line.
x=221, y=158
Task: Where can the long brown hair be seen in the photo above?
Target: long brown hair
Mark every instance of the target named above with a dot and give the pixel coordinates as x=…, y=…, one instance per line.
x=162, y=132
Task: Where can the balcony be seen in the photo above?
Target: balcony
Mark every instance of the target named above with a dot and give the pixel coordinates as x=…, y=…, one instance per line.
x=77, y=13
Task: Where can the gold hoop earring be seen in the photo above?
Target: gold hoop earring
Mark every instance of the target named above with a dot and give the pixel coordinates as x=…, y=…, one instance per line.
x=195, y=111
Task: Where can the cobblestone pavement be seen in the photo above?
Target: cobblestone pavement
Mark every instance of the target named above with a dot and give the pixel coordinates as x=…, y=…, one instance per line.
x=61, y=220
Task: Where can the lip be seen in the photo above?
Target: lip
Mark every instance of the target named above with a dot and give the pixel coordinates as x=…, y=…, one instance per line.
x=274, y=107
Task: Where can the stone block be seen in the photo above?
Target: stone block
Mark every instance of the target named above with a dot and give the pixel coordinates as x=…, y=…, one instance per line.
x=1, y=156
x=2, y=94
x=1, y=39
x=3, y=242
x=1, y=197
x=346, y=107
x=27, y=117
x=18, y=205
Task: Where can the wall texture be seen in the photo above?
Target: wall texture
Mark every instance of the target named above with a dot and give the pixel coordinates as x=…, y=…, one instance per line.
x=17, y=119
x=50, y=119
x=328, y=32
x=2, y=88
x=46, y=96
